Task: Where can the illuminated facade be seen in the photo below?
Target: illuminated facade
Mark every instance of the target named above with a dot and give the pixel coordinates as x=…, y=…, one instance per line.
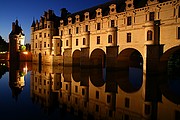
x=109, y=34
x=92, y=94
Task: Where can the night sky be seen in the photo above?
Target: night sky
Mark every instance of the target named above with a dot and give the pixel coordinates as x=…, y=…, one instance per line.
x=26, y=10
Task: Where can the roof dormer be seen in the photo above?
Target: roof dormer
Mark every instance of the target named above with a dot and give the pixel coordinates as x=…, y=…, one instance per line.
x=151, y=2
x=99, y=12
x=86, y=15
x=112, y=8
x=77, y=18
x=69, y=20
x=129, y=4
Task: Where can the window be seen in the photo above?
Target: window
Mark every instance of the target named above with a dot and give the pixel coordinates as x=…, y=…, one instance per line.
x=40, y=34
x=108, y=98
x=66, y=42
x=58, y=44
x=97, y=94
x=76, y=89
x=40, y=44
x=149, y=35
x=69, y=31
x=36, y=36
x=178, y=32
x=77, y=30
x=44, y=44
x=84, y=41
x=44, y=35
x=151, y=16
x=36, y=45
x=44, y=82
x=76, y=42
x=112, y=23
x=66, y=86
x=98, y=26
x=109, y=38
x=98, y=39
x=128, y=37
x=129, y=20
x=127, y=102
x=86, y=28
x=83, y=91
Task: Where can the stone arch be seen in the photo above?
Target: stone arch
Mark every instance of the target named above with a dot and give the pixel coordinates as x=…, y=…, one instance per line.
x=76, y=57
x=130, y=61
x=98, y=58
x=165, y=57
x=97, y=77
x=129, y=57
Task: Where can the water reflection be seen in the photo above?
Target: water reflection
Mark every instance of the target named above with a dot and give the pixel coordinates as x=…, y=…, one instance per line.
x=97, y=93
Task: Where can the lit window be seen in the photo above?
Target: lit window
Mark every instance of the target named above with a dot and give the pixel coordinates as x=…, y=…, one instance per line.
x=151, y=16
x=128, y=37
x=112, y=23
x=149, y=35
x=110, y=39
x=66, y=42
x=84, y=41
x=98, y=39
x=129, y=20
x=44, y=44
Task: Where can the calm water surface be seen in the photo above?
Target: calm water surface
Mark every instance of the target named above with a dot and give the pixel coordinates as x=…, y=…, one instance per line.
x=30, y=92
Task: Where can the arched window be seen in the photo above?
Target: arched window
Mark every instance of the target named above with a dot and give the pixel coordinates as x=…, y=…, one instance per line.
x=109, y=38
x=149, y=35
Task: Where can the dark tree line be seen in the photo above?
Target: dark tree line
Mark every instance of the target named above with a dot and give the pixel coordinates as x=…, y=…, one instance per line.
x=4, y=46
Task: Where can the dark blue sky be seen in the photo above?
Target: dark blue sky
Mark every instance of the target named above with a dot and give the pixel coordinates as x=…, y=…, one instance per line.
x=26, y=10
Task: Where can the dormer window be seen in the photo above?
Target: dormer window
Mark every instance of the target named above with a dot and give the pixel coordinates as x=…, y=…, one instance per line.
x=99, y=12
x=129, y=4
x=77, y=18
x=112, y=9
x=86, y=15
x=69, y=20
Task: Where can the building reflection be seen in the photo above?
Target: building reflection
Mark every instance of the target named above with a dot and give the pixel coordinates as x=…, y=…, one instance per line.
x=103, y=94
x=17, y=71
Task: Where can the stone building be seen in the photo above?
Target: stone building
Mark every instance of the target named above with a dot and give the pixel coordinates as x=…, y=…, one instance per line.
x=16, y=40
x=113, y=34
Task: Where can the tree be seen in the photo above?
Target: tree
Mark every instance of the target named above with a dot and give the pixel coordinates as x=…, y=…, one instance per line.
x=4, y=46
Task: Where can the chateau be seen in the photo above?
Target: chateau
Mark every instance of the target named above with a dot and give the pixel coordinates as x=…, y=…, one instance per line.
x=113, y=34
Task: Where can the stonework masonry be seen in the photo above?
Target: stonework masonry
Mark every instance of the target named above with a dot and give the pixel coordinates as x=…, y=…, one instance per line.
x=108, y=34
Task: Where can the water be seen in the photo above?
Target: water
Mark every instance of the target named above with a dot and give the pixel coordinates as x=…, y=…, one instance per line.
x=72, y=93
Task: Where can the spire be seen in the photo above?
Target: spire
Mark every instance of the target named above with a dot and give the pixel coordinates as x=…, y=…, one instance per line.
x=33, y=23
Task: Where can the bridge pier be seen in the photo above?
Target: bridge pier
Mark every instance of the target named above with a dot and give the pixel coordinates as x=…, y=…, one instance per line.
x=84, y=57
x=111, y=56
x=67, y=57
x=152, y=60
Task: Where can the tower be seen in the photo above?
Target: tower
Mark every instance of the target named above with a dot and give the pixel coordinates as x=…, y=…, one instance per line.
x=16, y=41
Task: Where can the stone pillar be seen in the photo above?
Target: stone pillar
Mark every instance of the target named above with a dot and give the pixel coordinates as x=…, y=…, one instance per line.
x=153, y=55
x=84, y=62
x=111, y=56
x=67, y=57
